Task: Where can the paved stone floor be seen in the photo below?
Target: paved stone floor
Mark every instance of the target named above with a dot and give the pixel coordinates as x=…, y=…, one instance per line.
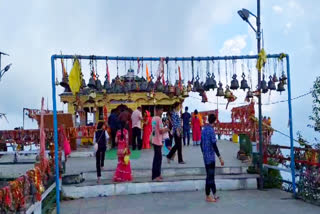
x=239, y=202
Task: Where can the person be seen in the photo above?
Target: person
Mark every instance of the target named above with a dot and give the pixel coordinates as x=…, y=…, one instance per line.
x=157, y=137
x=113, y=124
x=186, y=126
x=123, y=171
x=166, y=137
x=196, y=128
x=136, y=118
x=100, y=138
x=176, y=129
x=209, y=150
x=147, y=129
x=124, y=116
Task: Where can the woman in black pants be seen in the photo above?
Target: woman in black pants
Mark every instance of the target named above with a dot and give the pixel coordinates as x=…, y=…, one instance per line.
x=100, y=138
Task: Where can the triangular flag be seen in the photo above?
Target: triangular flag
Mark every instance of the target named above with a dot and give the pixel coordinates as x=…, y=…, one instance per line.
x=147, y=73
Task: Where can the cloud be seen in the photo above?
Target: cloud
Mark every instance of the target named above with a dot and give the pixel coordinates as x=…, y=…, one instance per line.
x=234, y=46
x=277, y=9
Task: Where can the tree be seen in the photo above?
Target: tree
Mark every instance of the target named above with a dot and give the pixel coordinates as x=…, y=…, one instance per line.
x=316, y=104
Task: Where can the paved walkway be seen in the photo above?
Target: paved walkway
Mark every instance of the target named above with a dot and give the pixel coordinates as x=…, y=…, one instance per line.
x=191, y=154
x=239, y=202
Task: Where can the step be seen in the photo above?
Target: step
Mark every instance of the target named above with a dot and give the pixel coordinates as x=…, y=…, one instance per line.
x=89, y=189
x=146, y=173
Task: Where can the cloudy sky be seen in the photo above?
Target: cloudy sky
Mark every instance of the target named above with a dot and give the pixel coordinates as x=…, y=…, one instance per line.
x=31, y=31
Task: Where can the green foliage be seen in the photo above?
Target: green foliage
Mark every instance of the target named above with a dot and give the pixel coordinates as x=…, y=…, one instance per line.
x=316, y=104
x=272, y=177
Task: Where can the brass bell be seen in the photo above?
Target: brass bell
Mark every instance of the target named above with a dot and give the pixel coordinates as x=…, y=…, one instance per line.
x=150, y=86
x=234, y=82
x=271, y=84
x=92, y=83
x=249, y=94
x=210, y=83
x=133, y=86
x=189, y=87
x=98, y=84
x=227, y=92
x=244, y=82
x=83, y=83
x=185, y=92
x=220, y=92
x=264, y=86
x=280, y=87
x=275, y=78
x=196, y=85
x=283, y=78
x=159, y=86
x=143, y=85
x=106, y=85
x=64, y=83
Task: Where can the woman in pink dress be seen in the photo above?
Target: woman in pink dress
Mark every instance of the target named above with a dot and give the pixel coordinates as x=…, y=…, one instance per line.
x=147, y=129
x=196, y=128
x=123, y=171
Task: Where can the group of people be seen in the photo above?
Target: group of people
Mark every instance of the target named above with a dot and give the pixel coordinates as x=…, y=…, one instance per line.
x=158, y=132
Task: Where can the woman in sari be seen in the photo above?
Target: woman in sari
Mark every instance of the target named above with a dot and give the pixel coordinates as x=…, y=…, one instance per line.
x=123, y=171
x=196, y=128
x=147, y=129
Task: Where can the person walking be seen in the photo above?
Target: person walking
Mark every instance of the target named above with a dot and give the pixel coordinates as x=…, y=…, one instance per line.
x=196, y=128
x=186, y=126
x=176, y=129
x=113, y=124
x=157, y=137
x=136, y=118
x=123, y=171
x=209, y=150
x=100, y=140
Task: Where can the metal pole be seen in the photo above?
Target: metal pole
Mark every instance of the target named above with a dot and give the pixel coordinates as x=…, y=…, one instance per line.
x=292, y=164
x=55, y=128
x=259, y=98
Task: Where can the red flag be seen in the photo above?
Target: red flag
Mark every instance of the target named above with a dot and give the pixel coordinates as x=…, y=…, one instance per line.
x=138, y=70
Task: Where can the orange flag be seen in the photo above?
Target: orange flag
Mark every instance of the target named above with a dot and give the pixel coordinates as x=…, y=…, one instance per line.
x=64, y=71
x=147, y=73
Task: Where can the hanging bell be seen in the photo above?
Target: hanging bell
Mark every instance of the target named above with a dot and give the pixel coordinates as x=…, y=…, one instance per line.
x=220, y=92
x=249, y=94
x=209, y=83
x=143, y=85
x=98, y=84
x=280, y=87
x=244, y=82
x=83, y=83
x=133, y=86
x=64, y=83
x=264, y=86
x=283, y=78
x=196, y=85
x=184, y=92
x=234, y=83
x=275, y=78
x=92, y=83
x=106, y=85
x=227, y=92
x=214, y=82
x=271, y=84
x=159, y=86
x=189, y=87
x=166, y=88
x=150, y=86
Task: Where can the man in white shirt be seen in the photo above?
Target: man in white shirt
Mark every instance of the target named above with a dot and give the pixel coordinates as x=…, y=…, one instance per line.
x=136, y=118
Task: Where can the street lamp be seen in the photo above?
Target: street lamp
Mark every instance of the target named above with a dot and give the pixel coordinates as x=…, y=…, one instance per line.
x=244, y=14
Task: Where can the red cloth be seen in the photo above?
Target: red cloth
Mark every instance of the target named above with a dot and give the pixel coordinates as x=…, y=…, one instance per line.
x=196, y=129
x=123, y=171
x=147, y=129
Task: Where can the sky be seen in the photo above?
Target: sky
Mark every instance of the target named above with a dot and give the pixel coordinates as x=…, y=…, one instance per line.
x=31, y=31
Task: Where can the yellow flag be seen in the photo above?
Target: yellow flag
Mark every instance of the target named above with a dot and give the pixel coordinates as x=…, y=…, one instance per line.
x=261, y=60
x=75, y=77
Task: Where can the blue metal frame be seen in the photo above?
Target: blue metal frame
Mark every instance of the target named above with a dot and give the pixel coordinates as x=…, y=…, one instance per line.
x=293, y=173
x=122, y=58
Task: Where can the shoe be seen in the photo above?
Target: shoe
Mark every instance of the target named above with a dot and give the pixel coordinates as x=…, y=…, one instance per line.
x=182, y=162
x=98, y=180
x=210, y=199
x=157, y=179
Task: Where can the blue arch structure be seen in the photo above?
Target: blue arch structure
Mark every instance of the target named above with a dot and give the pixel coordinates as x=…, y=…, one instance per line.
x=124, y=58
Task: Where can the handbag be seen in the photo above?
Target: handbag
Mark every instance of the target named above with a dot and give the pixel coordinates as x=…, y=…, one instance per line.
x=96, y=146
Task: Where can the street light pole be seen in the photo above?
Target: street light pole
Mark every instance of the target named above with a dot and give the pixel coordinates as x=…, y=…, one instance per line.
x=259, y=98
